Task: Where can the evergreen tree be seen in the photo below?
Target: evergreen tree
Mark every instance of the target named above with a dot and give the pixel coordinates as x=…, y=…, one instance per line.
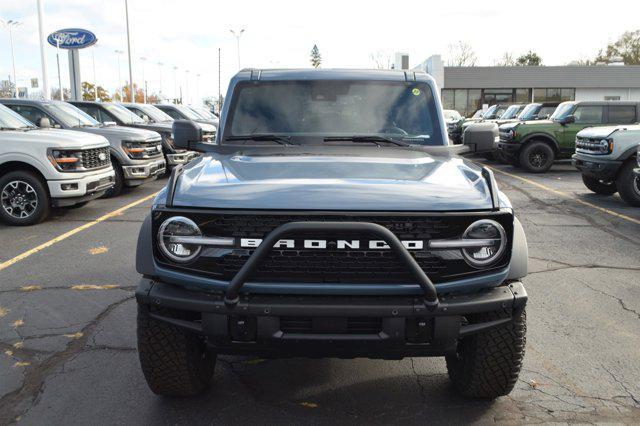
x=316, y=58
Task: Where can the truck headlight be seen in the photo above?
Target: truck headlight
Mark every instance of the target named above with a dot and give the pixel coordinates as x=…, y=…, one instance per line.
x=495, y=243
x=65, y=160
x=171, y=237
x=134, y=149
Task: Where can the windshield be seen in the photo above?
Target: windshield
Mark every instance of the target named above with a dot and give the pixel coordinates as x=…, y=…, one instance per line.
x=529, y=112
x=451, y=115
x=12, y=120
x=477, y=114
x=155, y=113
x=490, y=112
x=308, y=111
x=203, y=112
x=188, y=112
x=123, y=114
x=70, y=115
x=562, y=111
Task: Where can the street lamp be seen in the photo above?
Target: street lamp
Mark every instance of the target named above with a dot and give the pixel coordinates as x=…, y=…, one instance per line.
x=10, y=24
x=175, y=84
x=95, y=80
x=144, y=82
x=126, y=11
x=198, y=87
x=186, y=88
x=43, y=54
x=160, y=64
x=118, y=53
x=237, y=35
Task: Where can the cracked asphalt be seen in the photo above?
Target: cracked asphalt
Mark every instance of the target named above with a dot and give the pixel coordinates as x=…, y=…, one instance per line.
x=67, y=330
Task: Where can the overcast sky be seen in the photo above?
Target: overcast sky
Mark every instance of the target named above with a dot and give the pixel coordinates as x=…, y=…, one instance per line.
x=188, y=33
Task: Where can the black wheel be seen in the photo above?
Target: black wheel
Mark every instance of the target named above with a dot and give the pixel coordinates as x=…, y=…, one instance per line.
x=116, y=189
x=598, y=186
x=175, y=362
x=629, y=184
x=487, y=364
x=537, y=157
x=24, y=199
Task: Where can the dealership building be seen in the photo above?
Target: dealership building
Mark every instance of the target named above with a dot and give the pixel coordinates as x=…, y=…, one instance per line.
x=467, y=89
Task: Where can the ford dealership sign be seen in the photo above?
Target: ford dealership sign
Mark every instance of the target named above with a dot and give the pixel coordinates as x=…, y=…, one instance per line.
x=72, y=38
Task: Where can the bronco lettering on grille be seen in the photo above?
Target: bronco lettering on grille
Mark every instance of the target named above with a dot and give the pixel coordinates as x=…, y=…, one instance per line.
x=338, y=244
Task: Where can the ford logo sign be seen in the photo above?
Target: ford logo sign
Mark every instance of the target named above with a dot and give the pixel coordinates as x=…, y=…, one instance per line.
x=72, y=38
x=102, y=156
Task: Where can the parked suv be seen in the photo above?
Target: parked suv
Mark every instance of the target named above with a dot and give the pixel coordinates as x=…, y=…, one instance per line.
x=106, y=112
x=332, y=218
x=494, y=112
x=537, y=111
x=136, y=154
x=535, y=145
x=184, y=112
x=40, y=169
x=454, y=121
x=606, y=157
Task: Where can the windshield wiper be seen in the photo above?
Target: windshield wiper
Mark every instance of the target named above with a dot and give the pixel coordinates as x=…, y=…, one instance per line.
x=365, y=139
x=271, y=137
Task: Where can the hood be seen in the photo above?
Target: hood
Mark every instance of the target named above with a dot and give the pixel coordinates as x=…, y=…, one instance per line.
x=605, y=131
x=157, y=127
x=56, y=138
x=208, y=123
x=122, y=133
x=207, y=126
x=332, y=178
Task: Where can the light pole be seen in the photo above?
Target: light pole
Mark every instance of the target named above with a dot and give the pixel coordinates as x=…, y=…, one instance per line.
x=144, y=82
x=57, y=38
x=43, y=55
x=95, y=80
x=198, y=96
x=160, y=64
x=126, y=10
x=237, y=36
x=175, y=84
x=10, y=24
x=118, y=53
x=186, y=89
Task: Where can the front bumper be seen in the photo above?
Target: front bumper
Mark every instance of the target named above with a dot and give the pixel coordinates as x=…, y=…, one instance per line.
x=510, y=149
x=330, y=326
x=591, y=165
x=70, y=191
x=140, y=173
x=180, y=158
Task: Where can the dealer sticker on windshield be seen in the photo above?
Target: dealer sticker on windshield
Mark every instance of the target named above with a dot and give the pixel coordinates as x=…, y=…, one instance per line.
x=415, y=91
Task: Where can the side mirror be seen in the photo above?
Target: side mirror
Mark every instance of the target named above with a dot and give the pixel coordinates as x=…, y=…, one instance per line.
x=481, y=137
x=186, y=134
x=568, y=120
x=44, y=123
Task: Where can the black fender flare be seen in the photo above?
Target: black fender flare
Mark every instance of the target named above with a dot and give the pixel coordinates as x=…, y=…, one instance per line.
x=144, y=249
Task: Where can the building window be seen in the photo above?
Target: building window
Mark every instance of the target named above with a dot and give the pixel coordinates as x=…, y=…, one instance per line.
x=523, y=96
x=612, y=98
x=474, y=102
x=554, y=95
x=447, y=99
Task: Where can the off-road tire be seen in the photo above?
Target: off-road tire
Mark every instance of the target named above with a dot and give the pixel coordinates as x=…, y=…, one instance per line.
x=116, y=189
x=487, y=364
x=536, y=157
x=628, y=184
x=43, y=207
x=599, y=186
x=175, y=362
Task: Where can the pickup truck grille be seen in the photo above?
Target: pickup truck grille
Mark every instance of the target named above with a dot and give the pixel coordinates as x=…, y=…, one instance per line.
x=92, y=158
x=331, y=264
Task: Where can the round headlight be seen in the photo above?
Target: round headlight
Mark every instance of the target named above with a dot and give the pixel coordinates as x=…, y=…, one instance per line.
x=169, y=239
x=485, y=254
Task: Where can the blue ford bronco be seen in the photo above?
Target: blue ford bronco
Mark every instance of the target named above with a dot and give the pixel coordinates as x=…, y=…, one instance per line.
x=332, y=218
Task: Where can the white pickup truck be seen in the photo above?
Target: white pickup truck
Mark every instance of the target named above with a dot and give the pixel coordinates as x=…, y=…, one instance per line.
x=40, y=169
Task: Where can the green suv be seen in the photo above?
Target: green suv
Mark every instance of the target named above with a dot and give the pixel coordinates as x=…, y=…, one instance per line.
x=535, y=145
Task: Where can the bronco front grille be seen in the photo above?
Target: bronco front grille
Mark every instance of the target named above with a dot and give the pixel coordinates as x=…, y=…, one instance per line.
x=333, y=265
x=95, y=158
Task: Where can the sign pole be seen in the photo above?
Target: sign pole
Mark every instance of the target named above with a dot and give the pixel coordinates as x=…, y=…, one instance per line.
x=58, y=61
x=126, y=8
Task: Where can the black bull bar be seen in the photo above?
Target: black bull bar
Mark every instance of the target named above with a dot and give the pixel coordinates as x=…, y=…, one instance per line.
x=232, y=295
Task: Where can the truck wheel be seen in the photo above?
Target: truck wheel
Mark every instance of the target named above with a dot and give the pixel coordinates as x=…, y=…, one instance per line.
x=487, y=364
x=628, y=184
x=116, y=189
x=599, y=186
x=537, y=157
x=24, y=199
x=175, y=362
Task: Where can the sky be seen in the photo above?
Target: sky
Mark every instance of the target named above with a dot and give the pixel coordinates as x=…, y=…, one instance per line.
x=280, y=34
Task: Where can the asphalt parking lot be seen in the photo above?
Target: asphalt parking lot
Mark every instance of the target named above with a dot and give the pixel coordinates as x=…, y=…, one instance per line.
x=67, y=329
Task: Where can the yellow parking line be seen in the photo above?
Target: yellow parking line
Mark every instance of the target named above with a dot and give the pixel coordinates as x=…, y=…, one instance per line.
x=569, y=196
x=72, y=232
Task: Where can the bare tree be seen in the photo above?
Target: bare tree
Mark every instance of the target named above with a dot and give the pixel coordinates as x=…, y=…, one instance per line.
x=461, y=54
x=507, y=60
x=381, y=60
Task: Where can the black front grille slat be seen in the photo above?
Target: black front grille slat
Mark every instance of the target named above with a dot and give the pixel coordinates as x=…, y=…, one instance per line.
x=353, y=325
x=91, y=158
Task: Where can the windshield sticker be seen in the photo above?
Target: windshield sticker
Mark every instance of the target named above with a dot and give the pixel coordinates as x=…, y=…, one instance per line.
x=415, y=91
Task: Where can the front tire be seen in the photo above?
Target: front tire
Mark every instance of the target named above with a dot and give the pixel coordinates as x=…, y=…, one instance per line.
x=175, y=362
x=628, y=184
x=24, y=199
x=537, y=157
x=599, y=186
x=487, y=364
x=116, y=189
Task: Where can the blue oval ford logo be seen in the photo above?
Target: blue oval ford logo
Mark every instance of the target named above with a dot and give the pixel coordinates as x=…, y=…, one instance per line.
x=72, y=38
